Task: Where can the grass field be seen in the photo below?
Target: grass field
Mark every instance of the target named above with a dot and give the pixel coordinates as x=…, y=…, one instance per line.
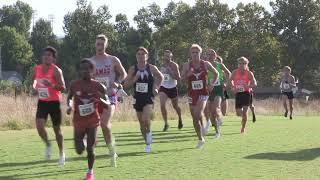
x=272, y=148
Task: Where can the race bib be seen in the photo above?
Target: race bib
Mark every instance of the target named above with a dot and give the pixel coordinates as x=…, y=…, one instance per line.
x=43, y=93
x=166, y=77
x=86, y=109
x=286, y=86
x=197, y=85
x=104, y=80
x=240, y=88
x=142, y=87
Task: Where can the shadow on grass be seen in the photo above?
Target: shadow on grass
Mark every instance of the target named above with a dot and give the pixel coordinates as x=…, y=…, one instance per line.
x=300, y=155
x=36, y=175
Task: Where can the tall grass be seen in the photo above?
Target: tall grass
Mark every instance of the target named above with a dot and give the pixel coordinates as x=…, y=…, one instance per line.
x=19, y=113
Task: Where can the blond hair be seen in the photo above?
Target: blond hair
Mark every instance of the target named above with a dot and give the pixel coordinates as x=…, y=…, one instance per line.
x=243, y=59
x=196, y=46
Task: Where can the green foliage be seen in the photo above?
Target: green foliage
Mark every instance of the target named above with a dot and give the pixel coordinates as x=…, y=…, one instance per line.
x=42, y=36
x=17, y=16
x=16, y=51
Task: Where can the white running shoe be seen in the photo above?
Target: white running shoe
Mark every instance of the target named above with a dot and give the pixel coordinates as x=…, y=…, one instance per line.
x=48, y=152
x=147, y=149
x=217, y=136
x=62, y=159
x=149, y=138
x=114, y=158
x=207, y=127
x=200, y=144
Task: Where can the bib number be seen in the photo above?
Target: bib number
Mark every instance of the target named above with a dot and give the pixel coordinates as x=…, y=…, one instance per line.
x=43, y=93
x=240, y=88
x=142, y=87
x=166, y=77
x=104, y=80
x=197, y=85
x=86, y=109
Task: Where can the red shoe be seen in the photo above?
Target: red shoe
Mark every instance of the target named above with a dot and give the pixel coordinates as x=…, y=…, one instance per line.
x=89, y=176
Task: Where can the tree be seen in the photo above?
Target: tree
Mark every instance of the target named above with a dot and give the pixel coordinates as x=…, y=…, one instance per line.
x=16, y=51
x=296, y=24
x=17, y=16
x=42, y=36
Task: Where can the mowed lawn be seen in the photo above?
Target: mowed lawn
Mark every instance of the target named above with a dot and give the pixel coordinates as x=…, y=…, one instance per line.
x=272, y=148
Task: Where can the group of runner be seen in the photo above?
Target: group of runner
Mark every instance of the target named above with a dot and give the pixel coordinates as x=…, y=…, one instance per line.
x=93, y=96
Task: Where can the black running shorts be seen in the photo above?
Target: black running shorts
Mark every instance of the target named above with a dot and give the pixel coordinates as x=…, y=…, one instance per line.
x=51, y=108
x=243, y=99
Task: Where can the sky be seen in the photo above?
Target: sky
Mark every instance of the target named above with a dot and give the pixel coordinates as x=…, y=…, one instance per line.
x=58, y=8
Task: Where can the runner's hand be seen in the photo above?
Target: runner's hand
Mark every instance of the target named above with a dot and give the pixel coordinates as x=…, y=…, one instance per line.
x=190, y=72
x=69, y=109
x=47, y=83
x=155, y=91
x=115, y=85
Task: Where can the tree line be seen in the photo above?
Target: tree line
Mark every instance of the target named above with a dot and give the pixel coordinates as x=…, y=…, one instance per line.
x=288, y=35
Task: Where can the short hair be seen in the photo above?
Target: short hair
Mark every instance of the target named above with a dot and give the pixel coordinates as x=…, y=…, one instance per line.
x=212, y=50
x=168, y=51
x=52, y=50
x=196, y=46
x=102, y=37
x=86, y=60
x=141, y=48
x=242, y=58
x=287, y=68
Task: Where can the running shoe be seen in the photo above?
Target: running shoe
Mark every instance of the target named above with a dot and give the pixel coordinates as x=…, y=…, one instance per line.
x=165, y=128
x=147, y=149
x=62, y=159
x=48, y=152
x=89, y=176
x=200, y=144
x=180, y=125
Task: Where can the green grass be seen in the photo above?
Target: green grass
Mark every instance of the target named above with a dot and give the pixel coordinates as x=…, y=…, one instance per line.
x=272, y=148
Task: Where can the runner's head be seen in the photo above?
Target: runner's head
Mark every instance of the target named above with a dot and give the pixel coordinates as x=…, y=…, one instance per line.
x=286, y=70
x=219, y=59
x=49, y=55
x=142, y=55
x=211, y=55
x=86, y=69
x=195, y=51
x=167, y=55
x=243, y=63
x=101, y=44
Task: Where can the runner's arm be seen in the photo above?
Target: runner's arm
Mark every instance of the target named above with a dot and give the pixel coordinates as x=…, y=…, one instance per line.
x=226, y=71
x=213, y=70
x=293, y=82
x=70, y=96
x=158, y=77
x=103, y=97
x=130, y=79
x=59, y=78
x=176, y=72
x=230, y=81
x=120, y=71
x=253, y=80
